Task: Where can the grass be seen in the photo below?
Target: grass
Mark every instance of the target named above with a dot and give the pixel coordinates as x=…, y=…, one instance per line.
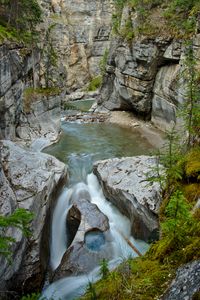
x=34, y=94
x=95, y=83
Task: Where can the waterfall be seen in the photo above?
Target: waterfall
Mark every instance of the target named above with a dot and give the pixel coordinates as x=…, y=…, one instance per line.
x=71, y=287
x=58, y=232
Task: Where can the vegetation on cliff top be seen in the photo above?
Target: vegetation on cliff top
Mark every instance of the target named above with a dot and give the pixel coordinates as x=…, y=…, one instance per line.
x=179, y=18
x=18, y=20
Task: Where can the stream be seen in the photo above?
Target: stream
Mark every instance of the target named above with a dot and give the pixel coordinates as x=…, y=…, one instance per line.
x=80, y=145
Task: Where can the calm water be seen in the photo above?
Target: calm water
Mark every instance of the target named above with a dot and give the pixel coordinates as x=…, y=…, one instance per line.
x=82, y=144
x=82, y=105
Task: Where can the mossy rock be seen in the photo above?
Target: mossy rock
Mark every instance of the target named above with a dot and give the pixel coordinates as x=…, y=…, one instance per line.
x=191, y=192
x=192, y=163
x=34, y=94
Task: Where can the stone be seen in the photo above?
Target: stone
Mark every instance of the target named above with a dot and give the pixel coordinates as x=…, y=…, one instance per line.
x=41, y=125
x=79, y=258
x=80, y=36
x=173, y=51
x=130, y=75
x=124, y=183
x=166, y=97
x=29, y=180
x=186, y=283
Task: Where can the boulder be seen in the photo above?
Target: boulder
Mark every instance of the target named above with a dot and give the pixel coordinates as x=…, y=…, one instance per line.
x=27, y=180
x=87, y=248
x=124, y=182
x=186, y=284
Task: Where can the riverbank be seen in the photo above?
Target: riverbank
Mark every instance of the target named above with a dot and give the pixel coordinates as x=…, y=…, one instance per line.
x=127, y=119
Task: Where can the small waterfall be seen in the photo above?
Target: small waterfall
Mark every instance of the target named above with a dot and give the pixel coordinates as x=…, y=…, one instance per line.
x=71, y=287
x=58, y=231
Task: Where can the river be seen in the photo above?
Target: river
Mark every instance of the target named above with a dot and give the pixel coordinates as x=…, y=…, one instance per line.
x=80, y=145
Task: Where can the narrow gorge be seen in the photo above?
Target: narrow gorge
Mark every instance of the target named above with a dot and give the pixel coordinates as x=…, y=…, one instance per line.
x=99, y=149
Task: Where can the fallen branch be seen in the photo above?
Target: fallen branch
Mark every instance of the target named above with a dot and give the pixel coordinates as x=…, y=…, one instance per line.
x=129, y=243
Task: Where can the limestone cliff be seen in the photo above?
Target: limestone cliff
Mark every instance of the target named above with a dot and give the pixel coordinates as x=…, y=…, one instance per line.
x=79, y=33
x=28, y=180
x=145, y=74
x=25, y=117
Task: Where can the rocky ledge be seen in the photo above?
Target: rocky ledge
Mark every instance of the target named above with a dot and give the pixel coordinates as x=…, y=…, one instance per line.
x=124, y=182
x=27, y=180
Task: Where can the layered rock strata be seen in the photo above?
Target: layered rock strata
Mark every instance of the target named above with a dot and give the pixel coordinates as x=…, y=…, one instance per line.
x=79, y=33
x=25, y=117
x=27, y=180
x=146, y=76
x=125, y=184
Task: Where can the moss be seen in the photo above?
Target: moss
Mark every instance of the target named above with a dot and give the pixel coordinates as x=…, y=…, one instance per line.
x=192, y=163
x=196, y=296
x=9, y=33
x=191, y=192
x=143, y=275
x=34, y=94
x=95, y=83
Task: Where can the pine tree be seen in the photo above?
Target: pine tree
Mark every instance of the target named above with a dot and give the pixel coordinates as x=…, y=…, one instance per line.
x=21, y=219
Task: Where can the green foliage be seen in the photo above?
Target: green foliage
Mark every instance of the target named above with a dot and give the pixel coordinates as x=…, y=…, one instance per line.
x=95, y=83
x=91, y=291
x=33, y=296
x=104, y=270
x=50, y=56
x=103, y=62
x=21, y=219
x=191, y=164
x=190, y=110
x=146, y=279
x=19, y=19
x=176, y=17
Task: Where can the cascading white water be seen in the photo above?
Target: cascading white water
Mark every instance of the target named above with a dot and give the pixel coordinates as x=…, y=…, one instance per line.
x=118, y=222
x=71, y=287
x=58, y=230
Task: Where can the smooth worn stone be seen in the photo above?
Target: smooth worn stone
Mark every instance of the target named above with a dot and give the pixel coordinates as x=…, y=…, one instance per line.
x=29, y=180
x=79, y=258
x=124, y=182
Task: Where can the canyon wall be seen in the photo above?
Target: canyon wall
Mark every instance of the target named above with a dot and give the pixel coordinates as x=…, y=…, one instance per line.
x=79, y=33
x=146, y=75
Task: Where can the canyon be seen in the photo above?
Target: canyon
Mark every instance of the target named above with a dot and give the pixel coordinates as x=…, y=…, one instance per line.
x=143, y=77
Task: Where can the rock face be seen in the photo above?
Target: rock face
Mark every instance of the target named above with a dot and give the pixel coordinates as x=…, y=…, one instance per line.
x=40, y=125
x=79, y=32
x=30, y=118
x=27, y=180
x=146, y=76
x=124, y=182
x=16, y=70
x=130, y=76
x=79, y=258
x=186, y=283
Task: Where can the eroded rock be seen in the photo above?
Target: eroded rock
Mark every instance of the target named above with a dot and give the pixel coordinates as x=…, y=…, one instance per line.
x=124, y=182
x=79, y=258
x=27, y=180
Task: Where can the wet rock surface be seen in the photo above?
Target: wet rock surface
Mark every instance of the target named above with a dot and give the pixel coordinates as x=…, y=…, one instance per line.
x=27, y=180
x=124, y=182
x=79, y=258
x=186, y=283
